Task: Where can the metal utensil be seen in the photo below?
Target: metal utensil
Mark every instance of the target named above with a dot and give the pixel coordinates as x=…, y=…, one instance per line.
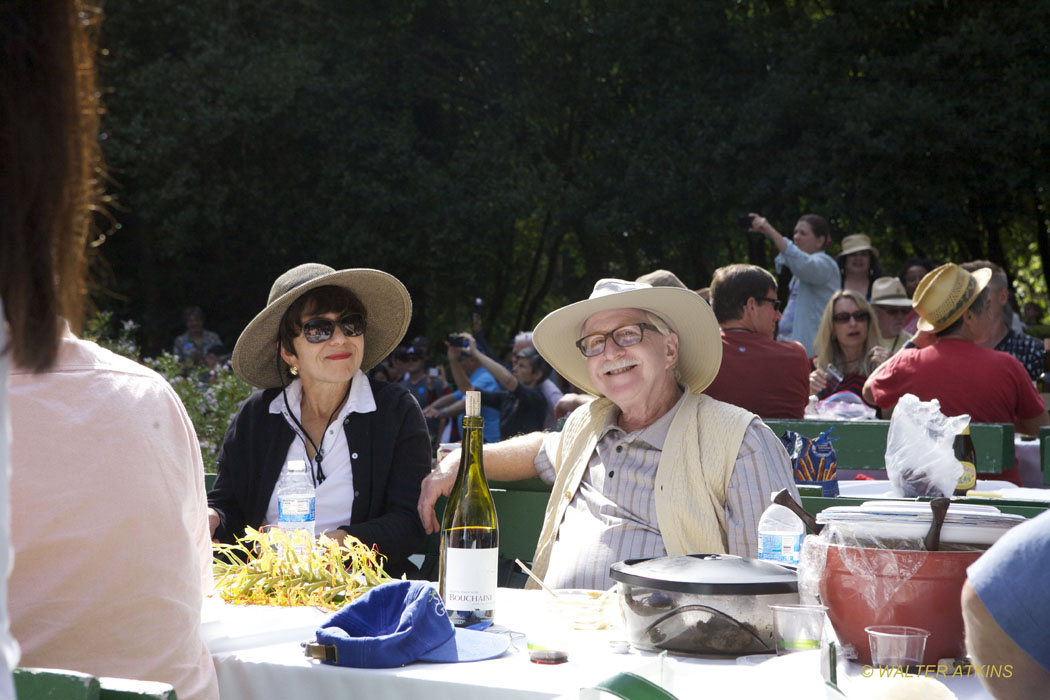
x=784, y=498
x=932, y=541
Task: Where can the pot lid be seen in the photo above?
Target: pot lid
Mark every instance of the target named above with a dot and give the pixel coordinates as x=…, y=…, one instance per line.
x=718, y=574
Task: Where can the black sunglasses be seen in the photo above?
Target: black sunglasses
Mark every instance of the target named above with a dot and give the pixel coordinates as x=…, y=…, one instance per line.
x=318, y=330
x=774, y=302
x=845, y=316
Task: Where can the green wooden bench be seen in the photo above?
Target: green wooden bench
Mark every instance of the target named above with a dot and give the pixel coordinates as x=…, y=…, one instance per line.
x=862, y=443
x=61, y=684
x=209, y=481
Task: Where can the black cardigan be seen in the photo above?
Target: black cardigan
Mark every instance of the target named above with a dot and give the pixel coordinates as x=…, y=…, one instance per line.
x=393, y=456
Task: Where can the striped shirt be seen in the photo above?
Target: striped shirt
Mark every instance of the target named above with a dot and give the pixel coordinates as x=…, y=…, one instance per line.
x=612, y=516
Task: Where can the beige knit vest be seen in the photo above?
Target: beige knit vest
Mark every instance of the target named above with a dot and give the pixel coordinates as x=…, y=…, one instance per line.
x=691, y=479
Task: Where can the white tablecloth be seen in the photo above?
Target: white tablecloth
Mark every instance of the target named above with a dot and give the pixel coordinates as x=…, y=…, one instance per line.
x=257, y=655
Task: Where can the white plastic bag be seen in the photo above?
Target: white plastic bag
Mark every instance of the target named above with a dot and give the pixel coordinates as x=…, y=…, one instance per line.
x=919, y=456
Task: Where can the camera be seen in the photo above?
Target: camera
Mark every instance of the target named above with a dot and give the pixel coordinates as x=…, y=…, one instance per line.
x=745, y=221
x=457, y=341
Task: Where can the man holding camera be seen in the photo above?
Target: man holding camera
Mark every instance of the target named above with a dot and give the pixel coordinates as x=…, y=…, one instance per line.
x=522, y=405
x=467, y=372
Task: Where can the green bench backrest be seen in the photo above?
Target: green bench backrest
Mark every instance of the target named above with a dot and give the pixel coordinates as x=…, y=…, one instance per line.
x=862, y=443
x=61, y=684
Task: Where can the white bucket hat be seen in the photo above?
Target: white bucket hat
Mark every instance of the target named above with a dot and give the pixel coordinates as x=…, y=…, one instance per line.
x=388, y=309
x=888, y=291
x=688, y=315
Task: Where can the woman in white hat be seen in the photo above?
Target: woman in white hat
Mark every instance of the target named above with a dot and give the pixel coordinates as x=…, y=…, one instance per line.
x=859, y=263
x=365, y=441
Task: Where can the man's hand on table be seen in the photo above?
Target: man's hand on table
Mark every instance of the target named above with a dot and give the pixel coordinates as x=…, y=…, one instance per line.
x=438, y=483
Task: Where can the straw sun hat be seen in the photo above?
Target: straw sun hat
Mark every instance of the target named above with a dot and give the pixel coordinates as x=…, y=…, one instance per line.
x=945, y=293
x=688, y=315
x=855, y=243
x=388, y=309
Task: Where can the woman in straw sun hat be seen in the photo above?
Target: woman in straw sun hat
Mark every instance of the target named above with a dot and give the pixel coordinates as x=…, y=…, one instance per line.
x=365, y=441
x=859, y=263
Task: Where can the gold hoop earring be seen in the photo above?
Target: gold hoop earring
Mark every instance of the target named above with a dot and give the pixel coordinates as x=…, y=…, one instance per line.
x=294, y=371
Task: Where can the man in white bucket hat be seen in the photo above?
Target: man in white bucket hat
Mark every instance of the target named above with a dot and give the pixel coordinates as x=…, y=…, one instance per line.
x=992, y=387
x=653, y=467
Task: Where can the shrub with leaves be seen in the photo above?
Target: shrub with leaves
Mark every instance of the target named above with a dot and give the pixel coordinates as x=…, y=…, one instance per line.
x=210, y=397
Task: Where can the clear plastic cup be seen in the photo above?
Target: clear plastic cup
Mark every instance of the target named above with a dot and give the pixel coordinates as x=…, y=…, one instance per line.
x=798, y=627
x=896, y=645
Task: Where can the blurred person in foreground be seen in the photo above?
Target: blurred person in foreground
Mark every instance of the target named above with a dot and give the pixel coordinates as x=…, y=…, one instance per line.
x=365, y=442
x=1006, y=623
x=815, y=274
x=953, y=367
x=653, y=466
x=767, y=376
x=1001, y=337
x=108, y=518
x=848, y=340
x=891, y=305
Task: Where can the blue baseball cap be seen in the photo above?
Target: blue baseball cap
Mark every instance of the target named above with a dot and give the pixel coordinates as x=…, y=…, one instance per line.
x=397, y=623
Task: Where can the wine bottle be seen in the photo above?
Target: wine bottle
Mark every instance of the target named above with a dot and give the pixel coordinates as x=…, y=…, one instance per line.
x=470, y=532
x=967, y=456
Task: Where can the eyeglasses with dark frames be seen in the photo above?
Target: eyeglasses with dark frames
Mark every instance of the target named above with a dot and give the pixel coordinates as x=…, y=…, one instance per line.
x=624, y=336
x=845, y=316
x=774, y=302
x=318, y=330
x=894, y=310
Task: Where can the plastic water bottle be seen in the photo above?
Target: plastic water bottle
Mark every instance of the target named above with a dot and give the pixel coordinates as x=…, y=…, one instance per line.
x=296, y=499
x=780, y=534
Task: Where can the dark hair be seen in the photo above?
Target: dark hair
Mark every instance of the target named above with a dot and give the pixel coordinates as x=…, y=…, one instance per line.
x=976, y=306
x=536, y=361
x=50, y=182
x=820, y=226
x=733, y=285
x=322, y=300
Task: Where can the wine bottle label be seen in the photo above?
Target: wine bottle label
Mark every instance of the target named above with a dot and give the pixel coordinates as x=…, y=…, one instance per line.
x=470, y=578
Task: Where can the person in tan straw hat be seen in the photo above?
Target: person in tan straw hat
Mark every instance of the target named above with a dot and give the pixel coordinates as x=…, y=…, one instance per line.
x=992, y=387
x=365, y=442
x=653, y=466
x=892, y=306
x=859, y=262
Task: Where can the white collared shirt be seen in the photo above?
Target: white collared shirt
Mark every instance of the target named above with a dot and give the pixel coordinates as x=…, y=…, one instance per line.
x=335, y=496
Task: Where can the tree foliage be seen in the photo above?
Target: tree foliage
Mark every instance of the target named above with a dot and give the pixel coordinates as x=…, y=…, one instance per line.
x=518, y=151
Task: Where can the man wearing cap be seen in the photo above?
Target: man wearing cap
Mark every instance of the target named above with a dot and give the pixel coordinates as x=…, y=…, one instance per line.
x=653, y=467
x=816, y=274
x=1003, y=338
x=992, y=387
x=892, y=306
x=1005, y=621
x=767, y=376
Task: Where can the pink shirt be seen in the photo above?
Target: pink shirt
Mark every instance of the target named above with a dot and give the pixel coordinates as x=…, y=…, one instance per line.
x=109, y=523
